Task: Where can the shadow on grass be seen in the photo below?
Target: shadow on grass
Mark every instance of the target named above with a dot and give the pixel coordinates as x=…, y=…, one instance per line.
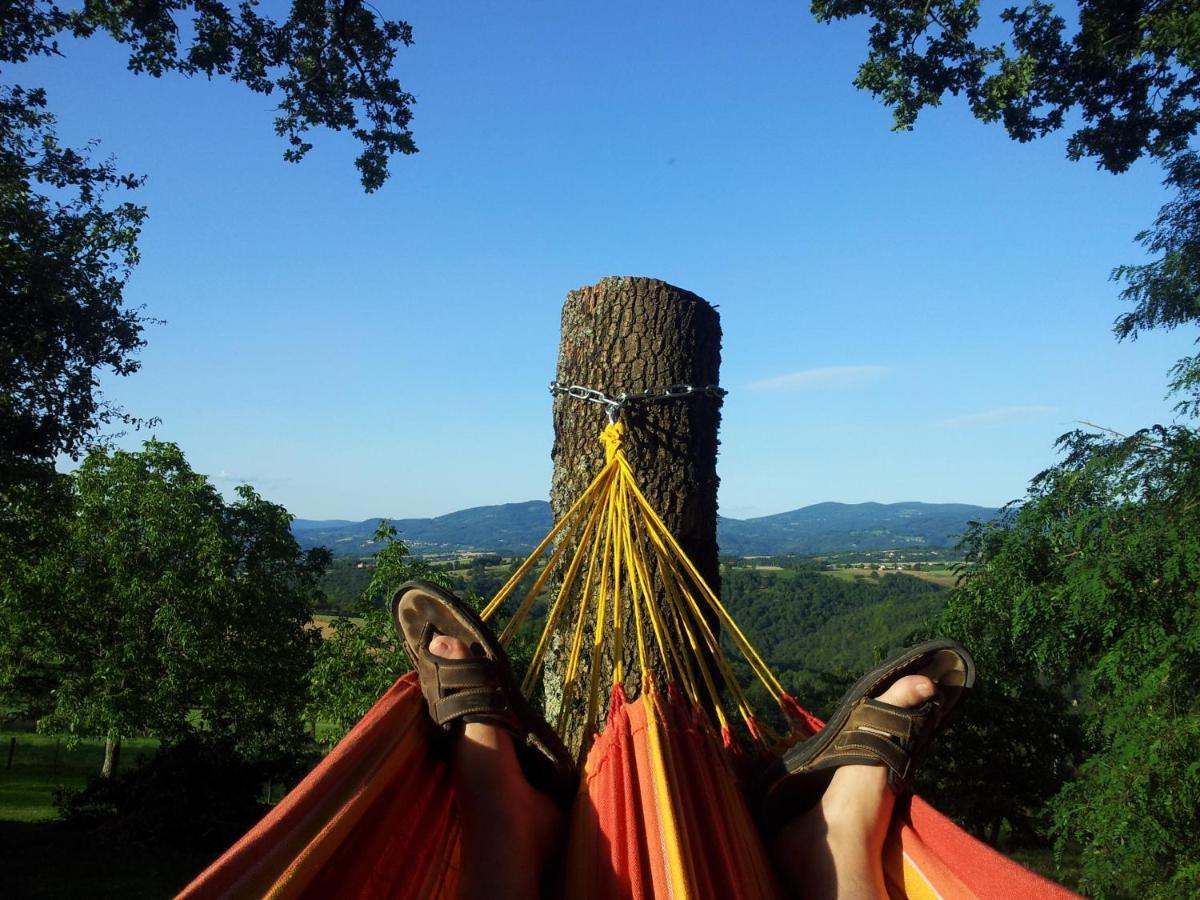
x=54, y=860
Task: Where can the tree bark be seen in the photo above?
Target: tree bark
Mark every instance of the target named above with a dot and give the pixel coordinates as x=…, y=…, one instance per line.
x=625, y=335
x=112, y=756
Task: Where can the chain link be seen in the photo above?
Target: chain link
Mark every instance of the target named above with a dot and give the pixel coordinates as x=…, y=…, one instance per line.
x=614, y=404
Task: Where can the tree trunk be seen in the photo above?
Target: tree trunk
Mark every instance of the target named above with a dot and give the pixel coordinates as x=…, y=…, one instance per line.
x=112, y=756
x=627, y=335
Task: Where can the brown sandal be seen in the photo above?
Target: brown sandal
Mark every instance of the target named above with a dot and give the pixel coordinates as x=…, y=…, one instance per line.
x=865, y=731
x=480, y=688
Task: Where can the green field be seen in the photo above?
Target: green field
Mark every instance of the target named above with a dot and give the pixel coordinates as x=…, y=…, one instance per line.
x=83, y=864
x=941, y=577
x=42, y=764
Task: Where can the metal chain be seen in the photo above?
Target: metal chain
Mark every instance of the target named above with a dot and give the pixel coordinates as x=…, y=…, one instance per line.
x=613, y=405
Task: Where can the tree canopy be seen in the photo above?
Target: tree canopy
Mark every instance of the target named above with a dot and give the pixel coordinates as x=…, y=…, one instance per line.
x=69, y=228
x=1083, y=602
x=65, y=256
x=161, y=609
x=1091, y=585
x=1124, y=76
x=1127, y=72
x=329, y=61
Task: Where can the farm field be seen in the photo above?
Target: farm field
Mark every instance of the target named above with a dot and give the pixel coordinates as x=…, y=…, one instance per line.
x=324, y=623
x=941, y=577
x=944, y=577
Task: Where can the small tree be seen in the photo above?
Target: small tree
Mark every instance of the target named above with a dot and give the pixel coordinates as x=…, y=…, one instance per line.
x=364, y=655
x=163, y=610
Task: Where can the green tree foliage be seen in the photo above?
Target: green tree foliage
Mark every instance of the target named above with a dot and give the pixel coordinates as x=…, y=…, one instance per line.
x=363, y=656
x=342, y=585
x=161, y=609
x=329, y=61
x=818, y=632
x=69, y=232
x=1165, y=292
x=65, y=254
x=1013, y=749
x=821, y=623
x=1094, y=580
x=1127, y=72
x=1126, y=76
x=31, y=529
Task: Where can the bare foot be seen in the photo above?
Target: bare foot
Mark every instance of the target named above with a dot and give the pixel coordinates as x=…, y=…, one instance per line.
x=834, y=850
x=510, y=830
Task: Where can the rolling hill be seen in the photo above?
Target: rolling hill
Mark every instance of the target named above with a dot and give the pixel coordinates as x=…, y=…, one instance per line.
x=516, y=528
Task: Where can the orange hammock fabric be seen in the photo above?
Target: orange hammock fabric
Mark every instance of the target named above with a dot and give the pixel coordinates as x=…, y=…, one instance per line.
x=660, y=811
x=659, y=814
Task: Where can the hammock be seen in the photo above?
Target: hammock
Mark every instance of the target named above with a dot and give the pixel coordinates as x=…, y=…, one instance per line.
x=660, y=811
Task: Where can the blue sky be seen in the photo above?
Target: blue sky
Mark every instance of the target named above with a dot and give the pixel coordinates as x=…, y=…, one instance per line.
x=906, y=316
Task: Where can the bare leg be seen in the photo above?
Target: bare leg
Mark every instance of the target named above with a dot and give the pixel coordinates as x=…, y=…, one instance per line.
x=510, y=830
x=834, y=850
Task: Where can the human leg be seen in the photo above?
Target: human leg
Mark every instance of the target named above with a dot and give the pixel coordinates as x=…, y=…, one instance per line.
x=510, y=830
x=833, y=851
x=510, y=769
x=830, y=798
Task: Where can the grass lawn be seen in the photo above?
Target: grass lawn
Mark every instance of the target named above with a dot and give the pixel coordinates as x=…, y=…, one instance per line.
x=41, y=764
x=45, y=858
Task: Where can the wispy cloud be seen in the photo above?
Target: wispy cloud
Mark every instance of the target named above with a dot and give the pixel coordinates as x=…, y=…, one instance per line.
x=226, y=477
x=1002, y=416
x=831, y=378
x=225, y=480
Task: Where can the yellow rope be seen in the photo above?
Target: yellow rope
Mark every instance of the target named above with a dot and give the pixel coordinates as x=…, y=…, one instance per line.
x=610, y=527
x=559, y=603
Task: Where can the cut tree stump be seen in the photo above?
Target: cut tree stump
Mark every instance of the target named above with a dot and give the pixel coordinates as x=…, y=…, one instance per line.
x=628, y=334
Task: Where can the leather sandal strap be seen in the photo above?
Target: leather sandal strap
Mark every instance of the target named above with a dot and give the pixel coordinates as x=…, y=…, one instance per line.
x=905, y=726
x=464, y=674
x=879, y=733
x=487, y=703
x=866, y=746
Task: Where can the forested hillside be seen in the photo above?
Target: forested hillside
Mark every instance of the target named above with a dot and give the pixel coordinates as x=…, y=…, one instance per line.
x=833, y=527
x=818, y=631
x=820, y=622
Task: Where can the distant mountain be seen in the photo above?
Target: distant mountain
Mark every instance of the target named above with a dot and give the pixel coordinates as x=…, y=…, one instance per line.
x=511, y=528
x=832, y=527
x=321, y=524
x=516, y=528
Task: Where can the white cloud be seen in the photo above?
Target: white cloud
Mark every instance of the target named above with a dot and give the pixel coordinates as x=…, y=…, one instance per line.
x=832, y=377
x=1001, y=416
x=226, y=479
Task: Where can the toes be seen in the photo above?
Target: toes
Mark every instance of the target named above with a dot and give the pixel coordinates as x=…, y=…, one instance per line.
x=909, y=691
x=448, y=647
